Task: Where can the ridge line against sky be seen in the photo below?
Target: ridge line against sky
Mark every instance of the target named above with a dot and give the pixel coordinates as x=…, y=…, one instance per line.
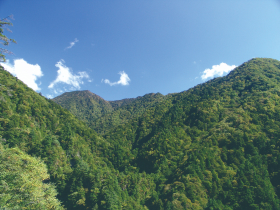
x=127, y=49
x=29, y=73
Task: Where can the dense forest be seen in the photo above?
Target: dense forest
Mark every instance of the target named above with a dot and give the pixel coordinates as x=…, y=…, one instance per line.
x=101, y=115
x=215, y=146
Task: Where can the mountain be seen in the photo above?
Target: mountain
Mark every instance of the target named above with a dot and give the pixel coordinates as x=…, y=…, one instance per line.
x=215, y=146
x=127, y=111
x=118, y=103
x=73, y=153
x=85, y=105
x=102, y=115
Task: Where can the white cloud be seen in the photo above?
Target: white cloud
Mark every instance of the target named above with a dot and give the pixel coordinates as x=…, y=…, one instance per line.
x=64, y=75
x=217, y=70
x=28, y=73
x=124, y=80
x=72, y=44
x=49, y=96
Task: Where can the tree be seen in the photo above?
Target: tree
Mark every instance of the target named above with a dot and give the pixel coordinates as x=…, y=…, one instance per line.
x=4, y=39
x=24, y=182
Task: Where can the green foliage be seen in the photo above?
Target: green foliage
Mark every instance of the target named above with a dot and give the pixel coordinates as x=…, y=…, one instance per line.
x=215, y=146
x=5, y=40
x=23, y=182
x=86, y=106
x=74, y=154
x=127, y=110
x=217, y=141
x=102, y=115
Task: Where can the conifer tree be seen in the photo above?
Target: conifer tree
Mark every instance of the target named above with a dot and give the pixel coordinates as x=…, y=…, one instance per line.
x=4, y=39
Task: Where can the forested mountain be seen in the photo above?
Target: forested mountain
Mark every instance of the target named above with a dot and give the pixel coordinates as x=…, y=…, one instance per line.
x=85, y=105
x=74, y=154
x=102, y=115
x=122, y=114
x=215, y=146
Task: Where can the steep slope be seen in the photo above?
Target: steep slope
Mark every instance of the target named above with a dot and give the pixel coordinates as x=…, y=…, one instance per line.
x=215, y=146
x=74, y=154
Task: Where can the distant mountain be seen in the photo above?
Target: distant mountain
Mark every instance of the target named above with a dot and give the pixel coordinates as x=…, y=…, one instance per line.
x=118, y=103
x=85, y=105
x=102, y=115
x=127, y=111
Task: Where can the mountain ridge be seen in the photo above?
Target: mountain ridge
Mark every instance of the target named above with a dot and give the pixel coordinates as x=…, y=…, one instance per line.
x=73, y=153
x=90, y=108
x=214, y=146
x=236, y=117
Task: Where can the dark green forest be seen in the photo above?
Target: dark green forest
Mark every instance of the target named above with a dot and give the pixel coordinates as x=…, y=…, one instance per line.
x=215, y=146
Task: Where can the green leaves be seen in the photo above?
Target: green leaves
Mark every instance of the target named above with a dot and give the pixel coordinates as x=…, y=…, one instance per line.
x=5, y=40
x=215, y=146
x=23, y=182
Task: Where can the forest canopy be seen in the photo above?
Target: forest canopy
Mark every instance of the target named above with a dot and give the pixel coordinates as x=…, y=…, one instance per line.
x=215, y=146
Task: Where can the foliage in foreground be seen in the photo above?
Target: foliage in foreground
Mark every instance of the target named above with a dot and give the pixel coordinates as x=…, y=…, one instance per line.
x=24, y=182
x=4, y=39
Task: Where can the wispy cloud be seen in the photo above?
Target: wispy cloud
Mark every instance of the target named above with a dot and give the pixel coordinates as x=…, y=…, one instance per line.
x=217, y=70
x=72, y=44
x=28, y=73
x=124, y=80
x=65, y=76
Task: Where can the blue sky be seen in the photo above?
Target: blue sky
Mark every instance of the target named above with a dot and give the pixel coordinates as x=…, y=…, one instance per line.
x=123, y=49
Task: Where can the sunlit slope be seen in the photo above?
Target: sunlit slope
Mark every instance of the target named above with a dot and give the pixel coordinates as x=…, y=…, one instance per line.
x=74, y=154
x=24, y=182
x=216, y=144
